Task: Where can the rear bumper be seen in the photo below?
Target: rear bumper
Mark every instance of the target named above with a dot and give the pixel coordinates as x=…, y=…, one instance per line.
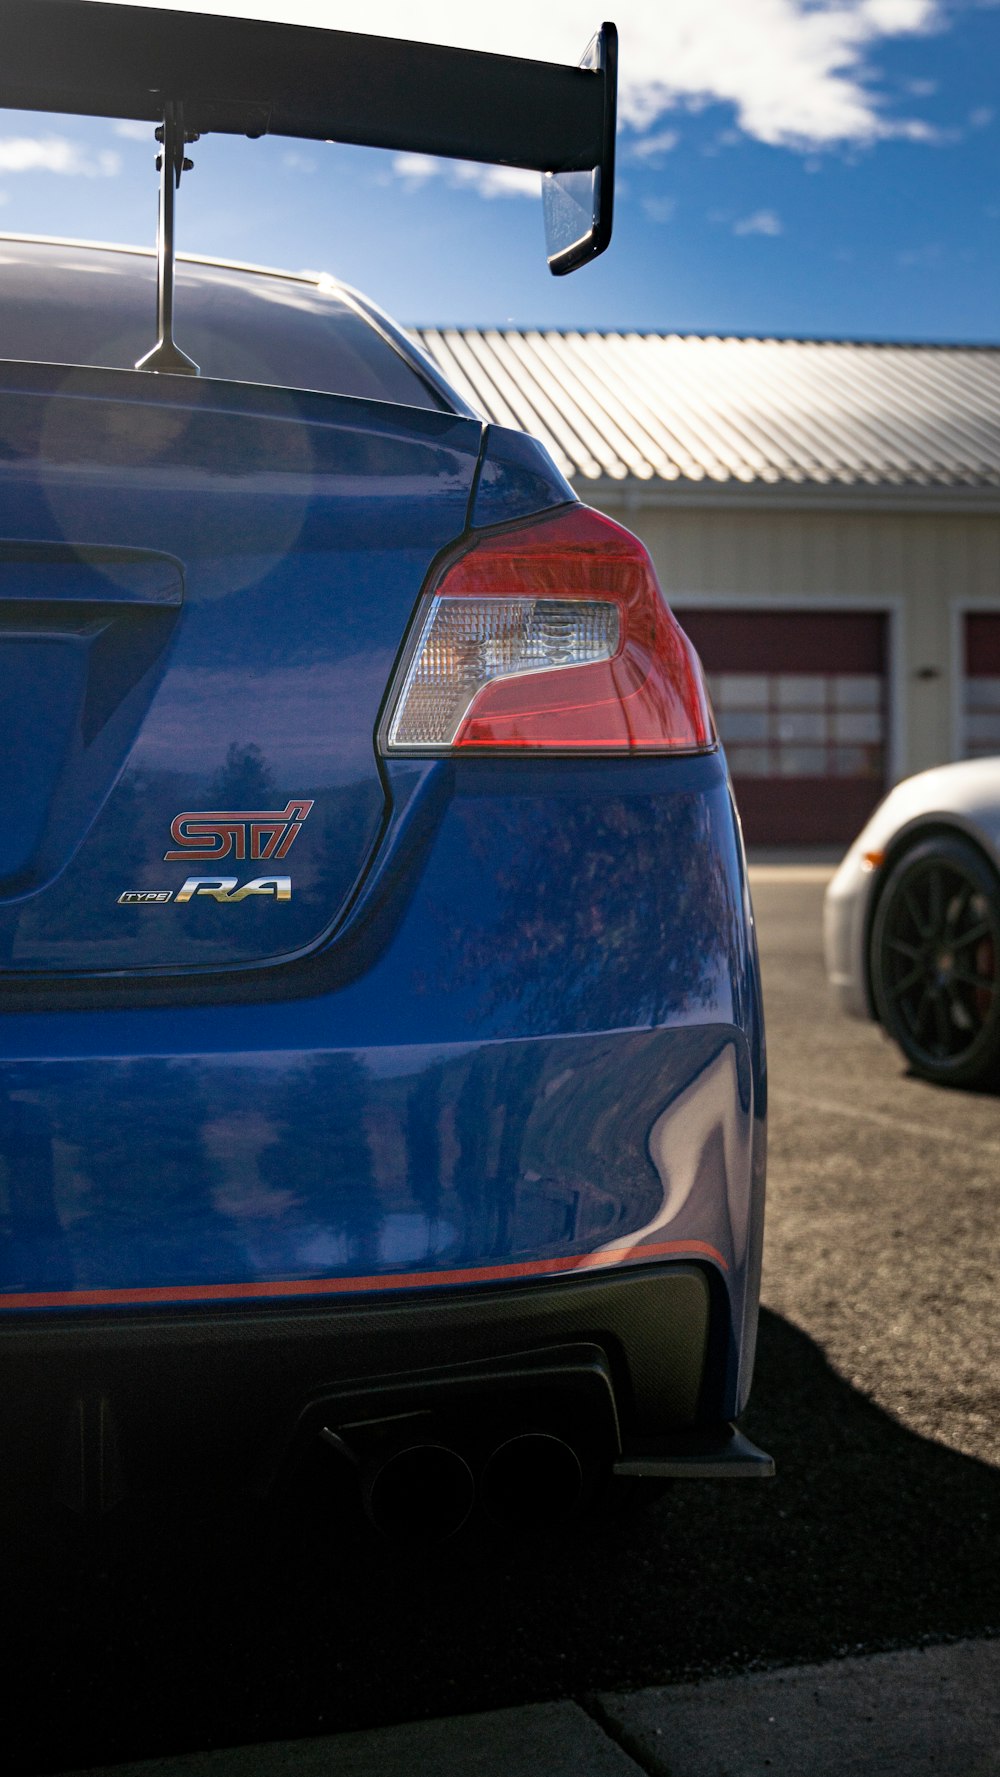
x=103, y=1407
x=532, y=1063
x=333, y=1185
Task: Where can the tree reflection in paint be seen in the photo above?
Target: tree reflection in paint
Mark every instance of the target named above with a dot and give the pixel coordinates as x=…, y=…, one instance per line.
x=630, y=922
x=84, y=903
x=143, y=1209
x=324, y=1156
x=245, y=781
x=423, y=1148
x=242, y=783
x=34, y=1253
x=491, y=1114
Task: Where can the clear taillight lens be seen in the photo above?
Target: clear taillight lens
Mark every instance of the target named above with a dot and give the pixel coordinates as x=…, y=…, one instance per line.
x=469, y=643
x=550, y=634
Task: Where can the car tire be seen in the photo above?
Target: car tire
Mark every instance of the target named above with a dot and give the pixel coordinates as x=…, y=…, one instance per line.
x=935, y=961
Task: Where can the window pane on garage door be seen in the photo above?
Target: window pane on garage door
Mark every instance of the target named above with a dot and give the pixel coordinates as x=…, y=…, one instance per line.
x=800, y=700
x=982, y=685
x=801, y=725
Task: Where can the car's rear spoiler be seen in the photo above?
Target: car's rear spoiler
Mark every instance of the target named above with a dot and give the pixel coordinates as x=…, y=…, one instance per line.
x=189, y=73
x=253, y=78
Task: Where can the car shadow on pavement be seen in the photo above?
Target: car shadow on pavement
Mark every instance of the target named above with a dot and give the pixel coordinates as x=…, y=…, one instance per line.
x=216, y=1627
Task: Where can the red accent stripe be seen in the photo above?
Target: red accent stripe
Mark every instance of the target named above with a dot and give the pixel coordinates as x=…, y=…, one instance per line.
x=340, y=1286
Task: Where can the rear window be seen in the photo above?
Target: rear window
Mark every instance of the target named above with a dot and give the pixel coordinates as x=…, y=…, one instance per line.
x=67, y=305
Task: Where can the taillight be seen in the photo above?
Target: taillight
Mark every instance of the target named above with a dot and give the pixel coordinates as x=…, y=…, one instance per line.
x=551, y=634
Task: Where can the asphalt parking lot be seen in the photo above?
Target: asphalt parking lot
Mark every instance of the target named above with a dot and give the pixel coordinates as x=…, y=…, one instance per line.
x=882, y=1236
x=877, y=1392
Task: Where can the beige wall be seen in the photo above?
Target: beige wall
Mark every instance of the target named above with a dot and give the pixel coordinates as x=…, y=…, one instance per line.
x=922, y=567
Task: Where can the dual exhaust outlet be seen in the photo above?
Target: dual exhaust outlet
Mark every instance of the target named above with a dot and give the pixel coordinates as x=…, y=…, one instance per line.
x=423, y=1488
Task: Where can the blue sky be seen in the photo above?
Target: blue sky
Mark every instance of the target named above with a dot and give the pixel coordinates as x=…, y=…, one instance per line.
x=819, y=167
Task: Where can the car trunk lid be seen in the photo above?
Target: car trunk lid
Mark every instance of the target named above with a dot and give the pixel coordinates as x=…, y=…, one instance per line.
x=203, y=589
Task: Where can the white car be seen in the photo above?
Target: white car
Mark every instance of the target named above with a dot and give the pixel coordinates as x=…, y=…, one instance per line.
x=912, y=922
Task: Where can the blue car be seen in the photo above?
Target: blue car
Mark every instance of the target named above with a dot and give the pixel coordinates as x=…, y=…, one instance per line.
x=381, y=1057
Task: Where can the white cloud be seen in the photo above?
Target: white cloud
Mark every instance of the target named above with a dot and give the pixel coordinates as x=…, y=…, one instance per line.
x=982, y=117
x=298, y=163
x=660, y=209
x=922, y=257
x=660, y=142
x=56, y=154
x=134, y=130
x=913, y=129
x=499, y=181
x=416, y=169
x=895, y=16
x=761, y=222
x=797, y=73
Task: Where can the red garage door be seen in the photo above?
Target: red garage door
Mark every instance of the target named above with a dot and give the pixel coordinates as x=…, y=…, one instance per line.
x=982, y=684
x=800, y=700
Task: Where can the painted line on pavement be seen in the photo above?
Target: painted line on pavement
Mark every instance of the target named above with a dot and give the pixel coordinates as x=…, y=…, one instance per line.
x=828, y=1107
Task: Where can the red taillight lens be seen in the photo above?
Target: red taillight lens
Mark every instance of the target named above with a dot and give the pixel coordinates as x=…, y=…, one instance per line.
x=551, y=634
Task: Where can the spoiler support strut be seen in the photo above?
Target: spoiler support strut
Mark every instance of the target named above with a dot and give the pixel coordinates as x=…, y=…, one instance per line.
x=171, y=161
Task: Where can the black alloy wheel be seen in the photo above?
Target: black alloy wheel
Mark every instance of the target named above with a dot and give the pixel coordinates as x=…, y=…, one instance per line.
x=935, y=961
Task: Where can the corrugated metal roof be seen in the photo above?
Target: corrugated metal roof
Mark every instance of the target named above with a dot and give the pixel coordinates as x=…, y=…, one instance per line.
x=655, y=408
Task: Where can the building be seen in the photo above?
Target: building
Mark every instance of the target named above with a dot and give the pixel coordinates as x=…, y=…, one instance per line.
x=825, y=520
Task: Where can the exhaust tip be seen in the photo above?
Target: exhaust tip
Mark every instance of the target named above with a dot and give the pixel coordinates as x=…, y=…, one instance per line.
x=530, y=1481
x=421, y=1492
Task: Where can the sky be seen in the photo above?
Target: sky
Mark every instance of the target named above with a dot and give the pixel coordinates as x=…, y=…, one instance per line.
x=826, y=168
